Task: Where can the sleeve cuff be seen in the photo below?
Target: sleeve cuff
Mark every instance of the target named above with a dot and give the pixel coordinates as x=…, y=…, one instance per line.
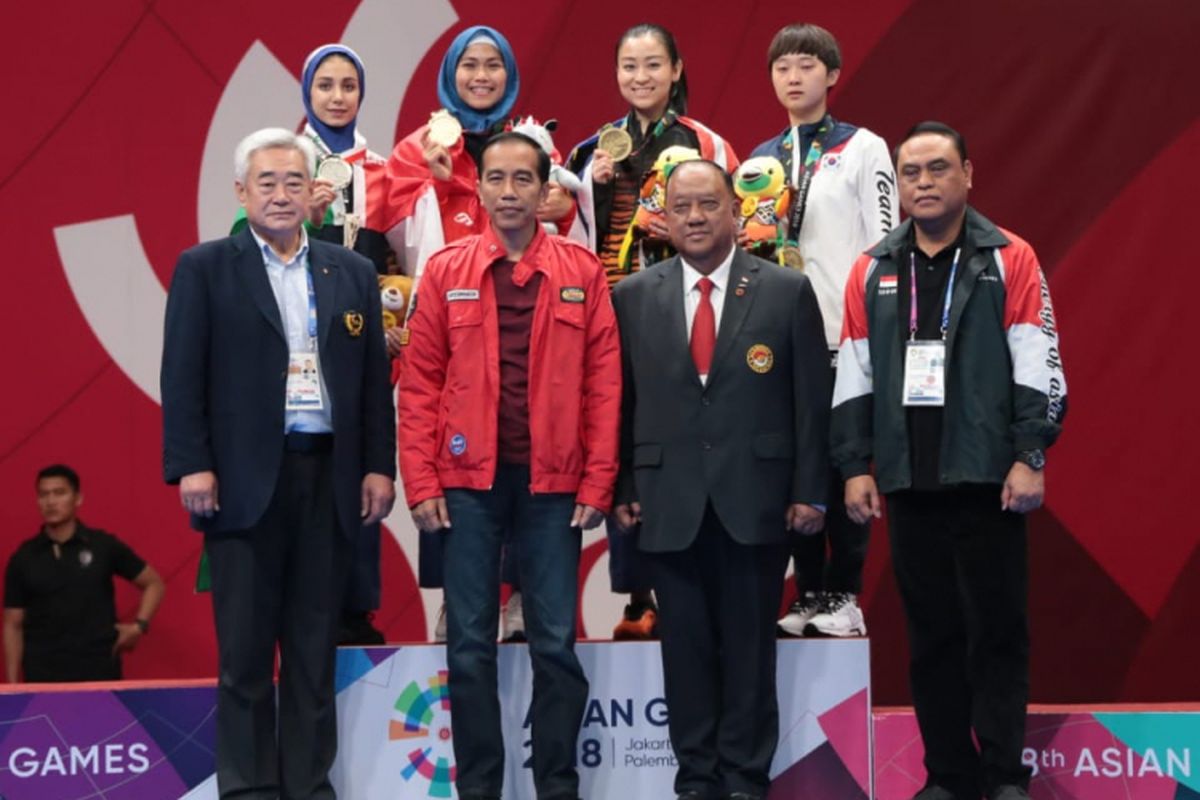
x=853, y=469
x=1027, y=442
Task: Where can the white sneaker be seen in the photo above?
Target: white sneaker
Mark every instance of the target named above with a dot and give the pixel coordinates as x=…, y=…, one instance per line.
x=512, y=620
x=799, y=613
x=839, y=616
x=439, y=627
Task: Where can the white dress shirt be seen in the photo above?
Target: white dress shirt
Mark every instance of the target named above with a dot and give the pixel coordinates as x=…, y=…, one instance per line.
x=290, y=288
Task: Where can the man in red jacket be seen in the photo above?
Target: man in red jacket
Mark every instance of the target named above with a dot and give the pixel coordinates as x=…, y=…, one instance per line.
x=510, y=393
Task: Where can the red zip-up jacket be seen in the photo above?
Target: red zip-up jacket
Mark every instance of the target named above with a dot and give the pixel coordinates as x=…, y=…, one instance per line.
x=449, y=375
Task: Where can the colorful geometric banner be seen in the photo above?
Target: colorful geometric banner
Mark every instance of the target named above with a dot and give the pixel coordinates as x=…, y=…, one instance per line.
x=1122, y=755
x=396, y=735
x=137, y=744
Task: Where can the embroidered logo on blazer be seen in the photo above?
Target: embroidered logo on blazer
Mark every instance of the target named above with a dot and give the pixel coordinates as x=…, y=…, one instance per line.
x=760, y=358
x=462, y=294
x=572, y=294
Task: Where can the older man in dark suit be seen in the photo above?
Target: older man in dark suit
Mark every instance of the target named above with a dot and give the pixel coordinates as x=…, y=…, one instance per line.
x=279, y=428
x=724, y=457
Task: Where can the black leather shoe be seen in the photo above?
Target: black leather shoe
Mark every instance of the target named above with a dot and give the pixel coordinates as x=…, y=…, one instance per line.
x=356, y=629
x=692, y=795
x=743, y=796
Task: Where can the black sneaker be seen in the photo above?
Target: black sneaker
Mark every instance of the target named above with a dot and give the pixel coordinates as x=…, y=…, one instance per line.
x=839, y=615
x=799, y=613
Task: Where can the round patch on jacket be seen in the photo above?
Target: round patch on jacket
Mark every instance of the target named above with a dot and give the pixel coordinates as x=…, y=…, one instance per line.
x=760, y=358
x=458, y=444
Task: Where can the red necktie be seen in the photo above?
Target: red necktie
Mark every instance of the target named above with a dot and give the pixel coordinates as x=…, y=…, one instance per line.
x=704, y=328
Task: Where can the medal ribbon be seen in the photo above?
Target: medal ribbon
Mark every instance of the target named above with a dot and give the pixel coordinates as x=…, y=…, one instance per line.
x=802, y=179
x=912, y=295
x=668, y=119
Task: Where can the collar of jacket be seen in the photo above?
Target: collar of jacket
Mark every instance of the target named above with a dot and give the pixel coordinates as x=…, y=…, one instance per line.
x=492, y=249
x=981, y=233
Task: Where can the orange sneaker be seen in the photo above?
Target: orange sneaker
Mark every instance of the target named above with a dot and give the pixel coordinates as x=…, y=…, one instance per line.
x=640, y=623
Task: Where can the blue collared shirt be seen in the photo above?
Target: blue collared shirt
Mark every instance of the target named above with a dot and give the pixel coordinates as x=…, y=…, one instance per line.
x=290, y=287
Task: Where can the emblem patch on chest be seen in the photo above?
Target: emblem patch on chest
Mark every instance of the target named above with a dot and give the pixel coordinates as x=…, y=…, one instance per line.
x=760, y=358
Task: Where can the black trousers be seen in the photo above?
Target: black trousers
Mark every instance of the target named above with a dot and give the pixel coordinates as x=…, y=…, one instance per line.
x=718, y=601
x=280, y=583
x=961, y=565
x=364, y=588
x=832, y=560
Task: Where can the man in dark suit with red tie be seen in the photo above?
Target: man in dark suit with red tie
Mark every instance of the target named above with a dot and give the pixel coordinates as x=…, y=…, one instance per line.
x=724, y=457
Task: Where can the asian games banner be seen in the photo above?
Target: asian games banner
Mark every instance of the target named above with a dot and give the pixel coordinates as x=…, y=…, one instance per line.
x=137, y=744
x=396, y=734
x=1075, y=755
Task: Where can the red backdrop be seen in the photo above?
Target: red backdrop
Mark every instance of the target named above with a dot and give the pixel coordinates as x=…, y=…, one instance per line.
x=1082, y=123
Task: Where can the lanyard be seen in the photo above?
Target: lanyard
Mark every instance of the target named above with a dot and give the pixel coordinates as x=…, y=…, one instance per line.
x=912, y=295
x=312, y=310
x=802, y=178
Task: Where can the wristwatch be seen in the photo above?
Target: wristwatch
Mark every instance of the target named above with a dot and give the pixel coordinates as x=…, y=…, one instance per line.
x=1034, y=459
x=143, y=625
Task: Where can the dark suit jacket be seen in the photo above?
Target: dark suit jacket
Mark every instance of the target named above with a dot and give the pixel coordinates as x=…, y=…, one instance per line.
x=750, y=442
x=224, y=371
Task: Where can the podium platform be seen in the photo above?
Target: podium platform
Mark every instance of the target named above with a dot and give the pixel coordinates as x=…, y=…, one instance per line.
x=155, y=740
x=149, y=741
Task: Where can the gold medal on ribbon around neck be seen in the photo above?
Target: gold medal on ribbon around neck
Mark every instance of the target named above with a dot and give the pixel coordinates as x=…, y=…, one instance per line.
x=336, y=170
x=789, y=256
x=444, y=129
x=616, y=142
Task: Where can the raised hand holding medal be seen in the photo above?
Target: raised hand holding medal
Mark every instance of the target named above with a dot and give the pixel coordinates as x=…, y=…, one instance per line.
x=616, y=142
x=336, y=170
x=612, y=145
x=444, y=129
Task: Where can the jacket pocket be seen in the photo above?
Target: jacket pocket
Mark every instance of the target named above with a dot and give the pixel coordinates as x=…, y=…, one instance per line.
x=647, y=455
x=464, y=312
x=571, y=314
x=773, y=445
x=464, y=321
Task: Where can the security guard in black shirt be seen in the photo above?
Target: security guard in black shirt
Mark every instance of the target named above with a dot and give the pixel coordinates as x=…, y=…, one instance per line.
x=60, y=620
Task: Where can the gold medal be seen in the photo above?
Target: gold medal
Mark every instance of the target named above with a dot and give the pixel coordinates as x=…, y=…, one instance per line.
x=760, y=358
x=444, y=129
x=616, y=142
x=336, y=170
x=789, y=256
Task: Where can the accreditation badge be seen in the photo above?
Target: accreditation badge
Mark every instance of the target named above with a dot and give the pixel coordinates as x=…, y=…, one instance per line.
x=303, y=391
x=924, y=373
